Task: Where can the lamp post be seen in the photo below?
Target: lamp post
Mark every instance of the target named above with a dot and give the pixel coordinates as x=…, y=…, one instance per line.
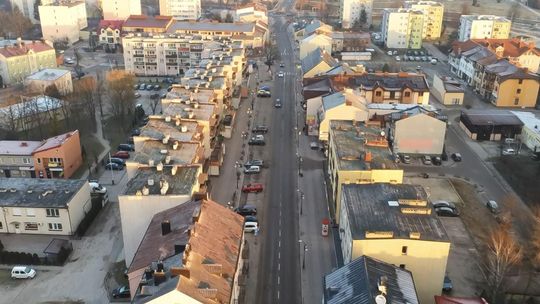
x=301, y=201
x=304, y=255
x=237, y=167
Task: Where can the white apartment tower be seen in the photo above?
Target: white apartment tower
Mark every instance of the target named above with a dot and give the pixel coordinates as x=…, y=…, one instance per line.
x=120, y=9
x=62, y=20
x=181, y=9
x=483, y=26
x=350, y=11
x=402, y=28
x=433, y=17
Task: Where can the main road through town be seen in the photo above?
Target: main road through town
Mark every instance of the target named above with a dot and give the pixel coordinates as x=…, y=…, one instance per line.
x=278, y=279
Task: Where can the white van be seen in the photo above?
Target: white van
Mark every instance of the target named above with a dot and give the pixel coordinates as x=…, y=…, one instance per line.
x=22, y=272
x=95, y=187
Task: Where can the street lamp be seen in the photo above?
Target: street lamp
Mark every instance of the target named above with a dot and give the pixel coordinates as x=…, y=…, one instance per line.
x=301, y=201
x=237, y=167
x=305, y=250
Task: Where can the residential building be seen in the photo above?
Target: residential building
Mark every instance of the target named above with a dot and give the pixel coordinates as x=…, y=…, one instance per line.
x=395, y=224
x=251, y=12
x=40, y=81
x=147, y=24
x=402, y=28
x=365, y=279
x=316, y=26
x=313, y=87
x=490, y=125
x=408, y=88
x=521, y=53
x=27, y=9
x=530, y=134
x=345, y=105
x=350, y=41
x=181, y=9
x=59, y=156
x=31, y=113
x=16, y=158
x=417, y=131
x=351, y=10
x=110, y=33
x=190, y=253
x=358, y=153
x=120, y=9
x=62, y=20
x=433, y=17
x=317, y=62
x=483, y=27
x=19, y=59
x=313, y=42
x=37, y=206
x=447, y=90
x=150, y=191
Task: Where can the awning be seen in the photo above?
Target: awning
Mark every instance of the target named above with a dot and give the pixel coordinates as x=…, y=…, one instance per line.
x=56, y=169
x=26, y=168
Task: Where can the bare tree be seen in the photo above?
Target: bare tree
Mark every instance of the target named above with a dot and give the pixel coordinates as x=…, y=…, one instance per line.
x=17, y=22
x=121, y=95
x=153, y=104
x=270, y=53
x=52, y=91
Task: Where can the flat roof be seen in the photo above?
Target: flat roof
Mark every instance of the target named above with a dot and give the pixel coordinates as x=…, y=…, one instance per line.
x=370, y=209
x=157, y=128
x=491, y=117
x=38, y=192
x=48, y=74
x=352, y=142
x=185, y=153
x=144, y=21
x=195, y=111
x=237, y=27
x=179, y=183
x=18, y=147
x=180, y=93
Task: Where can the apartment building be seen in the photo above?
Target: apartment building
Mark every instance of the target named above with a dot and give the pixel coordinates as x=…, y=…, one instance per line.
x=395, y=224
x=351, y=10
x=181, y=9
x=20, y=58
x=110, y=33
x=59, y=156
x=27, y=9
x=519, y=52
x=62, y=20
x=120, y=9
x=40, y=81
x=38, y=206
x=483, y=27
x=408, y=88
x=433, y=17
x=402, y=28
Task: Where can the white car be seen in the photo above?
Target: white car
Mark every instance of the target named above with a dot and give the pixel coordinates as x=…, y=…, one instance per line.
x=252, y=170
x=22, y=272
x=251, y=227
x=280, y=74
x=508, y=151
x=398, y=58
x=97, y=188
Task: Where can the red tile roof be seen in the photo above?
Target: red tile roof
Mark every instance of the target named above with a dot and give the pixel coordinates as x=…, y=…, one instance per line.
x=24, y=47
x=512, y=47
x=147, y=21
x=113, y=24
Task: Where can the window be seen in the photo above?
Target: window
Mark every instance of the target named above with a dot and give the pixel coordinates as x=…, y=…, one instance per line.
x=30, y=212
x=16, y=211
x=520, y=81
x=52, y=212
x=402, y=266
x=518, y=91
x=1, y=225
x=516, y=101
x=26, y=160
x=407, y=94
x=55, y=226
x=30, y=226
x=404, y=250
x=378, y=93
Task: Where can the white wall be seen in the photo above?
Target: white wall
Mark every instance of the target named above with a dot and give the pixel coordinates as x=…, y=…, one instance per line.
x=120, y=9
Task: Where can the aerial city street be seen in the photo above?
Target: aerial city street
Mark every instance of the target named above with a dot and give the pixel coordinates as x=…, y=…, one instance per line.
x=270, y=151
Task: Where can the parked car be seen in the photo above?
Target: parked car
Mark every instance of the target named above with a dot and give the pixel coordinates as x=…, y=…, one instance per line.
x=281, y=65
x=246, y=210
x=447, y=284
x=251, y=218
x=406, y=159
x=254, y=162
x=149, y=87
x=121, y=154
x=121, y=292
x=280, y=74
x=136, y=86
x=314, y=145
x=446, y=211
x=251, y=227
x=440, y=203
x=117, y=161
x=260, y=129
x=398, y=58
x=277, y=104
x=493, y=207
x=157, y=87
x=136, y=132
x=252, y=188
x=436, y=160
x=434, y=61
x=252, y=170
x=508, y=151
x=22, y=272
x=264, y=88
x=418, y=68
x=263, y=93
x=142, y=86
x=456, y=157
x=426, y=160
x=113, y=166
x=96, y=188
x=257, y=140
x=126, y=147
x=137, y=95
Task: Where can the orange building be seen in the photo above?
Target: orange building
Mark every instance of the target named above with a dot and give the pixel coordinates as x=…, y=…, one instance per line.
x=59, y=156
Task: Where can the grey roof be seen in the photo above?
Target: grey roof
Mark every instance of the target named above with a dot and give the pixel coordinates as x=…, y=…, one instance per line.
x=32, y=106
x=314, y=58
x=312, y=27
x=491, y=117
x=369, y=210
x=391, y=82
x=180, y=183
x=44, y=193
x=211, y=26
x=333, y=100
x=323, y=85
x=357, y=283
x=412, y=111
x=48, y=74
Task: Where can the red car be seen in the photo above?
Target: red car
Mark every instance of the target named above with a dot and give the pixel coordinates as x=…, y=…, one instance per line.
x=121, y=154
x=252, y=188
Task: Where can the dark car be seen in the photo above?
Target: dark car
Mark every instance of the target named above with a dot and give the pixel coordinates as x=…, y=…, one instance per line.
x=456, y=157
x=126, y=147
x=251, y=218
x=439, y=204
x=257, y=140
x=436, y=160
x=135, y=132
x=447, y=284
x=117, y=161
x=157, y=87
x=446, y=211
x=113, y=166
x=121, y=154
x=254, y=162
x=121, y=292
x=260, y=129
x=246, y=210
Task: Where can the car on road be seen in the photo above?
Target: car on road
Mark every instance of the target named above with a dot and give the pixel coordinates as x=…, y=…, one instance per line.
x=137, y=95
x=456, y=157
x=121, y=292
x=126, y=147
x=282, y=65
x=508, y=151
x=251, y=227
x=246, y=210
x=446, y=211
x=426, y=160
x=96, y=188
x=406, y=159
x=447, y=284
x=117, y=160
x=280, y=74
x=254, y=162
x=121, y=154
x=22, y=272
x=257, y=140
x=262, y=129
x=436, y=160
x=493, y=207
x=441, y=203
x=252, y=188
x=263, y=93
x=398, y=58
x=252, y=170
x=69, y=60
x=277, y=104
x=251, y=218
x=113, y=166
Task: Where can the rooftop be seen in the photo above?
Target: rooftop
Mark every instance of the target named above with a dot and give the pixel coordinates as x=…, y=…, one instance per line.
x=459, y=300
x=529, y=120
x=432, y=3
x=350, y=35
x=56, y=141
x=158, y=128
x=12, y=48
x=509, y=47
x=360, y=147
x=143, y=21
x=316, y=57
x=236, y=27
x=412, y=111
x=68, y=3
x=186, y=153
x=451, y=85
x=48, y=74
x=18, y=147
x=390, y=81
x=484, y=17
x=181, y=93
x=31, y=106
x=196, y=111
x=38, y=193
x=358, y=283
x=173, y=180
x=113, y=24
x=374, y=212
x=491, y=117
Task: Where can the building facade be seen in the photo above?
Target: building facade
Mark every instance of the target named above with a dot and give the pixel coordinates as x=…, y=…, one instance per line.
x=181, y=9
x=19, y=58
x=402, y=28
x=447, y=90
x=311, y=43
x=120, y=9
x=27, y=9
x=39, y=81
x=433, y=17
x=406, y=88
x=351, y=10
x=63, y=20
x=110, y=33
x=417, y=132
x=483, y=27
x=59, y=156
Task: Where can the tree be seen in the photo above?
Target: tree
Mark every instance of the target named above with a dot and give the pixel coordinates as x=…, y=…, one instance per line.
x=18, y=23
x=363, y=17
x=37, y=3
x=52, y=91
x=270, y=53
x=229, y=18
x=386, y=68
x=121, y=95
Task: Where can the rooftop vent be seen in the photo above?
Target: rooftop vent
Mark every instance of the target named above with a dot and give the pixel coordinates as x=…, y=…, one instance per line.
x=159, y=166
x=191, y=115
x=416, y=210
x=164, y=188
x=150, y=182
x=166, y=139
x=383, y=284
x=145, y=190
x=173, y=170
x=196, y=105
x=175, y=145
x=177, y=122
x=165, y=227
x=393, y=203
x=164, y=151
x=167, y=159
x=167, y=118
x=415, y=235
x=151, y=162
x=183, y=129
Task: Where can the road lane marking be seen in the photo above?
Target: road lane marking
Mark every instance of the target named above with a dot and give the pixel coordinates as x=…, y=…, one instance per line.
x=278, y=294
x=278, y=267
x=279, y=232
x=279, y=243
x=279, y=255
x=278, y=280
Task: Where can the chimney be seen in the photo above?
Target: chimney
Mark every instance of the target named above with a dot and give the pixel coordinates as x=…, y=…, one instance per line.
x=166, y=228
x=348, y=102
x=367, y=157
x=175, y=145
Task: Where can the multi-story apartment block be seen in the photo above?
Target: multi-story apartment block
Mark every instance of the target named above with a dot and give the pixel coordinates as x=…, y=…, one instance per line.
x=351, y=10
x=483, y=27
x=19, y=59
x=27, y=9
x=181, y=9
x=433, y=17
x=37, y=206
x=40, y=81
x=402, y=28
x=62, y=20
x=120, y=9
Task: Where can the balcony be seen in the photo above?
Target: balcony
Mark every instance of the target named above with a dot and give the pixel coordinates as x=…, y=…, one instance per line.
x=171, y=55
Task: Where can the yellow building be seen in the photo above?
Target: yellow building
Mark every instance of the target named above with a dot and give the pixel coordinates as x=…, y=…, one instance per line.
x=433, y=17
x=447, y=90
x=512, y=87
x=394, y=223
x=19, y=58
x=402, y=28
x=358, y=153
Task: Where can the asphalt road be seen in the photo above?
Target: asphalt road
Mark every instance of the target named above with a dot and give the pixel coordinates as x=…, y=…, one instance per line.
x=278, y=280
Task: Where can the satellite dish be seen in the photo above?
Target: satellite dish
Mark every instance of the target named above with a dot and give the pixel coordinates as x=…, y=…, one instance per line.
x=380, y=299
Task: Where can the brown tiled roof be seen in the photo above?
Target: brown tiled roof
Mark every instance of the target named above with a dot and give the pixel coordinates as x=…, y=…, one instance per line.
x=113, y=24
x=146, y=21
x=24, y=48
x=512, y=47
x=459, y=47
